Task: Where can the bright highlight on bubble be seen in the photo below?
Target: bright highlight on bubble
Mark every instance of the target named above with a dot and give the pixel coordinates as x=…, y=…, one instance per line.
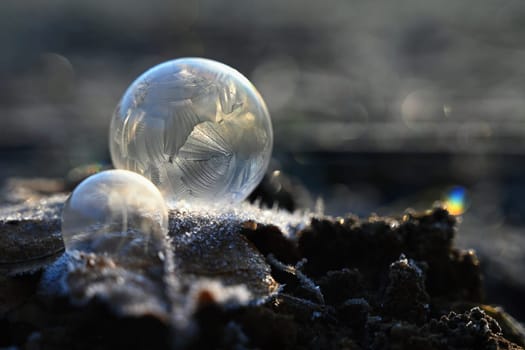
x=116, y=212
x=196, y=128
x=455, y=201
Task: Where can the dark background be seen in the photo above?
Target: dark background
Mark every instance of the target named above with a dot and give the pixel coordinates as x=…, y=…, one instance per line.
x=376, y=105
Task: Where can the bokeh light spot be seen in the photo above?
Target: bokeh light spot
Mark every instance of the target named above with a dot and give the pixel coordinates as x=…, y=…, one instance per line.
x=456, y=200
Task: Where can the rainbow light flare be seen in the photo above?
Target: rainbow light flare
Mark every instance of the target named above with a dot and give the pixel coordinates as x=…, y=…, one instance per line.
x=455, y=201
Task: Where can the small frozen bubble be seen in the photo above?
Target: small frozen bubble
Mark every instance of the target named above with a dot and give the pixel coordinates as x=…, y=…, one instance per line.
x=117, y=212
x=196, y=128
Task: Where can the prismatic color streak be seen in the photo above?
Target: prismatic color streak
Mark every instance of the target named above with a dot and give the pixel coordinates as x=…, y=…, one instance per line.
x=455, y=201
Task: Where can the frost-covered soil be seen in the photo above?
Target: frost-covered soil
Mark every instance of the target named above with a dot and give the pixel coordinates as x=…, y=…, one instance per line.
x=248, y=278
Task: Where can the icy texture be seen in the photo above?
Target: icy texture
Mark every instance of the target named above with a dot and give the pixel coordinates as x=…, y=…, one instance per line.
x=30, y=234
x=212, y=217
x=116, y=212
x=196, y=128
x=206, y=258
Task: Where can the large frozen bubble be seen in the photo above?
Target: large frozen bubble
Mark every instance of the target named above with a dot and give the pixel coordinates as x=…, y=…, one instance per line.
x=118, y=212
x=196, y=128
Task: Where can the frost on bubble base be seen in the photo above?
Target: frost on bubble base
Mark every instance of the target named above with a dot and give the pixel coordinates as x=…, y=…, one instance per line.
x=196, y=128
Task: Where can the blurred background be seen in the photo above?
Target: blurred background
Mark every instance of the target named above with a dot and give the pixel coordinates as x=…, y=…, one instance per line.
x=376, y=105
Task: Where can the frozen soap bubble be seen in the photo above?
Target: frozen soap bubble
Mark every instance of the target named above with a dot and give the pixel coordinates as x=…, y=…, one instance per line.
x=196, y=128
x=116, y=212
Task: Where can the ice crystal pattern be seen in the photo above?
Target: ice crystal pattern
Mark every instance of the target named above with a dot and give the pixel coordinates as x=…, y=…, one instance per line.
x=196, y=128
x=117, y=212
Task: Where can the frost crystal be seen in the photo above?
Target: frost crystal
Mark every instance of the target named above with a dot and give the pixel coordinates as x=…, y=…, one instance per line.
x=196, y=128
